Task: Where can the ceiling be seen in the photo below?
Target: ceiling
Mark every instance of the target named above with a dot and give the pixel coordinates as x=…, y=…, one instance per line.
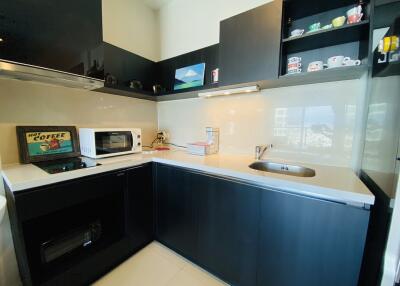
x=156, y=4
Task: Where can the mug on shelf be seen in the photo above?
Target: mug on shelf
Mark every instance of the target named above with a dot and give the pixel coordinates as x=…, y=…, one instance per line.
x=314, y=27
x=349, y=62
x=388, y=44
x=316, y=66
x=297, y=32
x=354, y=15
x=354, y=10
x=329, y=26
x=337, y=61
x=294, y=65
x=338, y=21
x=355, y=18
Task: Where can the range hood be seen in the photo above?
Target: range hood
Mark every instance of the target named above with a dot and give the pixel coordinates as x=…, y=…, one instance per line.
x=14, y=70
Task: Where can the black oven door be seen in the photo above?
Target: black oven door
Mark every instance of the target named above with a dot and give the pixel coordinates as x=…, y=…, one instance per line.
x=113, y=142
x=74, y=231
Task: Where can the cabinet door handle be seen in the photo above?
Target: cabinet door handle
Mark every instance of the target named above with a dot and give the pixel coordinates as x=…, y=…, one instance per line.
x=120, y=174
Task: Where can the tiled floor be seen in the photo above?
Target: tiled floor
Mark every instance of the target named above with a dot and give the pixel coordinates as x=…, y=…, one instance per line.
x=157, y=265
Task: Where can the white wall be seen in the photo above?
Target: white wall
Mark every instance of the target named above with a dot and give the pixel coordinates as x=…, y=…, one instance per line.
x=133, y=26
x=312, y=123
x=186, y=26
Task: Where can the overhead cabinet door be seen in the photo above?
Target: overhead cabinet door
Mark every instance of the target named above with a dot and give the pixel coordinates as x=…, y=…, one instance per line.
x=61, y=35
x=250, y=45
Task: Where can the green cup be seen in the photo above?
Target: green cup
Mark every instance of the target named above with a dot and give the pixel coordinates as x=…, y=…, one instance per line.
x=314, y=27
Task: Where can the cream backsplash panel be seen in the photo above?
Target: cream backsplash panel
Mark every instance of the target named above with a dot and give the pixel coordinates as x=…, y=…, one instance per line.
x=311, y=123
x=25, y=103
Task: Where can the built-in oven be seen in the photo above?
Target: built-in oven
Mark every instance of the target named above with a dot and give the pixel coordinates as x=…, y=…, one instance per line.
x=99, y=143
x=72, y=231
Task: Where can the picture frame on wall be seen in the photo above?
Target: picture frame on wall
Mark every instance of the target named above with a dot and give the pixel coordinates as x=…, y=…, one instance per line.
x=44, y=143
x=190, y=76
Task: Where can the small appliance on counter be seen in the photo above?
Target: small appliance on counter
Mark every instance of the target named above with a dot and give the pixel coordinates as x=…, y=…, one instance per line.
x=211, y=146
x=54, y=149
x=106, y=142
x=65, y=165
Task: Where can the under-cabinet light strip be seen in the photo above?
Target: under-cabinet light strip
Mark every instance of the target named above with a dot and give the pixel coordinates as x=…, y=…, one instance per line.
x=246, y=89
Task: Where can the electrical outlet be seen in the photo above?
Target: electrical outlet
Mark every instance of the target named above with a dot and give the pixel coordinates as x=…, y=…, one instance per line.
x=162, y=136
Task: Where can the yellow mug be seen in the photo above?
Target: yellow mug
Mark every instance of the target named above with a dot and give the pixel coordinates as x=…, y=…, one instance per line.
x=387, y=42
x=339, y=21
x=394, y=45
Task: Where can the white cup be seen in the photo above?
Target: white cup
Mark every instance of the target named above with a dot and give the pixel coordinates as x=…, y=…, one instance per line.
x=354, y=10
x=293, y=71
x=297, y=32
x=294, y=65
x=316, y=66
x=337, y=61
x=350, y=62
x=294, y=60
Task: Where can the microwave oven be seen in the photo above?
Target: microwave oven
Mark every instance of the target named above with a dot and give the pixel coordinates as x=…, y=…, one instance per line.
x=106, y=142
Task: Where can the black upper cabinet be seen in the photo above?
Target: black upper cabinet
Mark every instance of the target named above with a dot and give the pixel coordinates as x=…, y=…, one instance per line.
x=122, y=67
x=55, y=34
x=166, y=68
x=250, y=45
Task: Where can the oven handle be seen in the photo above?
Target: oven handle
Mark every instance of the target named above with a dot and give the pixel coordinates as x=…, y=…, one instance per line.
x=131, y=135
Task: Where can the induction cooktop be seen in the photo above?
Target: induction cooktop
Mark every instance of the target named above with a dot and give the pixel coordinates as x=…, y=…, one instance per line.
x=65, y=165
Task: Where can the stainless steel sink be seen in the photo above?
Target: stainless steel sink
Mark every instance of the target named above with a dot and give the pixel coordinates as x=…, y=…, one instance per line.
x=280, y=168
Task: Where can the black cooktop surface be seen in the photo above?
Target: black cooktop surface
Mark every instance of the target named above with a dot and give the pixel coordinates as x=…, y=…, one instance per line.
x=65, y=165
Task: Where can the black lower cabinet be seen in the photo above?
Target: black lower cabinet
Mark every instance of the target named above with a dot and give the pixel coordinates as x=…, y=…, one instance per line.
x=177, y=215
x=309, y=242
x=140, y=200
x=228, y=229
x=72, y=233
x=248, y=235
x=211, y=221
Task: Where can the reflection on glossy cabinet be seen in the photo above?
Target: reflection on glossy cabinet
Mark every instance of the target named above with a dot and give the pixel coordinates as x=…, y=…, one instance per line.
x=209, y=220
x=228, y=229
x=248, y=235
x=250, y=45
x=140, y=200
x=176, y=210
x=61, y=35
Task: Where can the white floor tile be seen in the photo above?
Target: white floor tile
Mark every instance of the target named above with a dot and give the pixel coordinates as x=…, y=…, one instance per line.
x=156, y=265
x=194, y=276
x=168, y=254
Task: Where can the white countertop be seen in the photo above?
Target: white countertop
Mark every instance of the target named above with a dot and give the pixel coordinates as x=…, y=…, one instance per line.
x=332, y=183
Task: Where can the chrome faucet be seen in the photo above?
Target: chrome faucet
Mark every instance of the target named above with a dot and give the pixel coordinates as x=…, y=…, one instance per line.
x=260, y=150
